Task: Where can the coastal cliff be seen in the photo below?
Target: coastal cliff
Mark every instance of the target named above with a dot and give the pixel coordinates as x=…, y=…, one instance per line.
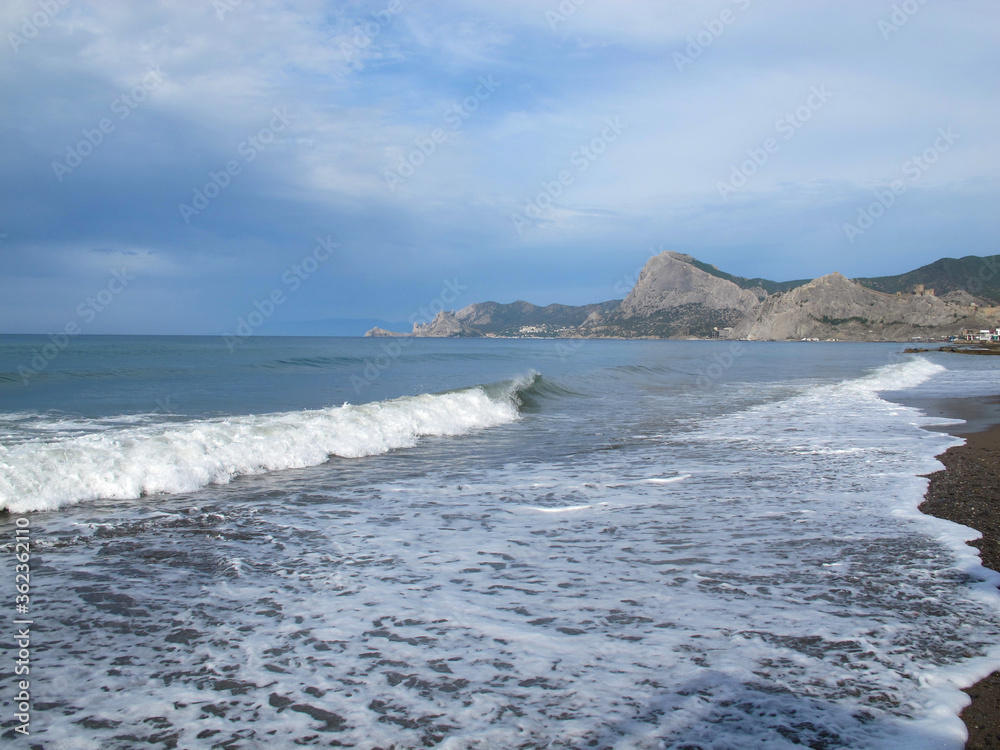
x=675, y=298
x=678, y=296
x=670, y=280
x=444, y=325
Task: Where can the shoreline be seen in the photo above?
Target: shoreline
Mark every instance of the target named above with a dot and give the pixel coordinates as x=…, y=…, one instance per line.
x=967, y=491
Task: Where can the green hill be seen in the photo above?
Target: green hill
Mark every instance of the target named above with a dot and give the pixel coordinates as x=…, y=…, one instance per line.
x=979, y=276
x=771, y=287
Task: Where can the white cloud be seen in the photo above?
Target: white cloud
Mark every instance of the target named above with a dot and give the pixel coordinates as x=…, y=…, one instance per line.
x=365, y=88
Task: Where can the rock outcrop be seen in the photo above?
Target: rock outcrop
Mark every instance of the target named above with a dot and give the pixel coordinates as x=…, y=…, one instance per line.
x=444, y=325
x=962, y=297
x=378, y=332
x=972, y=274
x=674, y=298
x=834, y=307
x=669, y=280
x=677, y=296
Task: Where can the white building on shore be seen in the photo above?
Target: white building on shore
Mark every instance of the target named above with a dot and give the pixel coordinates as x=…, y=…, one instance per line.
x=992, y=334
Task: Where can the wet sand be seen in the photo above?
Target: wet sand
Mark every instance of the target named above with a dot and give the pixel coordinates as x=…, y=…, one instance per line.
x=967, y=491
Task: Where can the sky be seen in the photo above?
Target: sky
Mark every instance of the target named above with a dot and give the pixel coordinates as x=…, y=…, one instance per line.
x=172, y=167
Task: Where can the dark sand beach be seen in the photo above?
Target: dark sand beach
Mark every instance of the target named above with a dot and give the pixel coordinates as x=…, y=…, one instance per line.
x=967, y=491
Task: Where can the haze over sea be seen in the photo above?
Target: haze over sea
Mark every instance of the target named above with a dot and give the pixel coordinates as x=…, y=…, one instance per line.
x=490, y=544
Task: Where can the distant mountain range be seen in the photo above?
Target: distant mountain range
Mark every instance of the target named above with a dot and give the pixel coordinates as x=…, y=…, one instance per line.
x=678, y=296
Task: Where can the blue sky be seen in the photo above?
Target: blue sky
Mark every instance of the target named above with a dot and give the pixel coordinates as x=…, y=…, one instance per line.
x=533, y=150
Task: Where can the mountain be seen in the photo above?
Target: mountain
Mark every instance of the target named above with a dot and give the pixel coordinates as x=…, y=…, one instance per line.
x=508, y=319
x=671, y=280
x=971, y=275
x=835, y=307
x=444, y=325
x=754, y=285
x=678, y=296
x=674, y=297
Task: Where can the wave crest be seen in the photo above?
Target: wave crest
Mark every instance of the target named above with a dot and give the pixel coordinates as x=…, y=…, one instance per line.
x=171, y=457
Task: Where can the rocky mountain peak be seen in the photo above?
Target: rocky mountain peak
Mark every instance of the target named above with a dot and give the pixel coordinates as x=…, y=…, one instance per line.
x=444, y=325
x=669, y=280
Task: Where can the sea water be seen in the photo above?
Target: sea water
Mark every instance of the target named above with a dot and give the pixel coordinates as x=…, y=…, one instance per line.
x=488, y=544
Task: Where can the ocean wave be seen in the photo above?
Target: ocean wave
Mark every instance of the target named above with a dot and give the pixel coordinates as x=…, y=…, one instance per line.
x=132, y=461
x=831, y=419
x=531, y=391
x=899, y=376
x=322, y=362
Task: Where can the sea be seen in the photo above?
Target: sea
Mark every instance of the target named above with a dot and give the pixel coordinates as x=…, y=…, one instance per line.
x=493, y=543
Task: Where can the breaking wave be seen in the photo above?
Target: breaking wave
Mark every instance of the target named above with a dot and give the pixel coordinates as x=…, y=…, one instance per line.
x=169, y=457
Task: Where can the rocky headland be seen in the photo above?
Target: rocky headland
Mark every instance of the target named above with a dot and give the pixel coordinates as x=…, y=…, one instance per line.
x=677, y=296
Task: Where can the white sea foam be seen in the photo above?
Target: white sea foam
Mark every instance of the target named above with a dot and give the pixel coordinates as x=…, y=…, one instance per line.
x=170, y=457
x=668, y=480
x=565, y=509
x=780, y=596
x=830, y=419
